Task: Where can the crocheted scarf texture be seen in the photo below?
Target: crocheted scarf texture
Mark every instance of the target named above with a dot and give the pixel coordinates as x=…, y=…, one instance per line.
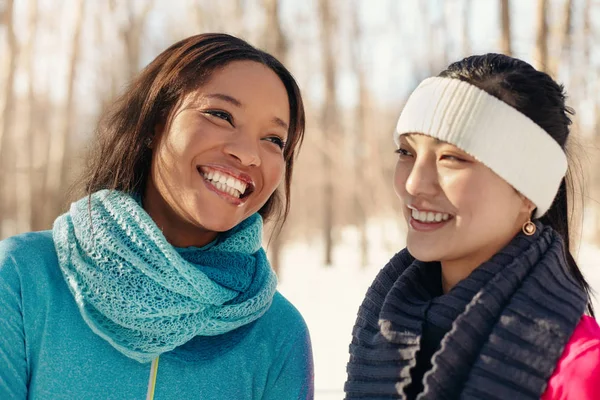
x=144, y=296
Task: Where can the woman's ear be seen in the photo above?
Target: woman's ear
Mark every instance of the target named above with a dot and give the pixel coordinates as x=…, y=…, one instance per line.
x=528, y=206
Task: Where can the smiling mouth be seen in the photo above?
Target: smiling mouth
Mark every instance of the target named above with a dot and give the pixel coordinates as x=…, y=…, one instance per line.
x=430, y=217
x=227, y=184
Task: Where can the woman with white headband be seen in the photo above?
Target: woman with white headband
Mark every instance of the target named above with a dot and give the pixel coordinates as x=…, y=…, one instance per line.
x=486, y=301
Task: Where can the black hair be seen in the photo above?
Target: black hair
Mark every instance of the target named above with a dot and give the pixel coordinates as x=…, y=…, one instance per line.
x=535, y=94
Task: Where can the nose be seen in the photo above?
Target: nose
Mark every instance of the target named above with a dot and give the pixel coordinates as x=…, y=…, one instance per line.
x=244, y=149
x=423, y=179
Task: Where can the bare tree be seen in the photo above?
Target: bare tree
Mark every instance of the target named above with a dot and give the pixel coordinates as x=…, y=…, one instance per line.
x=587, y=38
x=505, y=40
x=274, y=42
x=361, y=141
x=541, y=38
x=7, y=203
x=227, y=17
x=131, y=34
x=104, y=22
x=328, y=122
x=59, y=144
x=564, y=39
x=591, y=88
x=24, y=187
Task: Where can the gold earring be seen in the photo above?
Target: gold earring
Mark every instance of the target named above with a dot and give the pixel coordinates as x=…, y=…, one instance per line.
x=529, y=228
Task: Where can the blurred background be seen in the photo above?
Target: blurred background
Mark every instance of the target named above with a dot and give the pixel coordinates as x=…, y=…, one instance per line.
x=63, y=62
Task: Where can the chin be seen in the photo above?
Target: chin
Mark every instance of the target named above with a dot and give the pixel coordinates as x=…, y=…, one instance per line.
x=423, y=252
x=216, y=222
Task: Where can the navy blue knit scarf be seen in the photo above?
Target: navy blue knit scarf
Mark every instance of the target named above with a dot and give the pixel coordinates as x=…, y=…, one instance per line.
x=508, y=322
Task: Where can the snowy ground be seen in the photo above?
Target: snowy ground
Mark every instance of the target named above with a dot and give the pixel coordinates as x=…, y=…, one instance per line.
x=328, y=298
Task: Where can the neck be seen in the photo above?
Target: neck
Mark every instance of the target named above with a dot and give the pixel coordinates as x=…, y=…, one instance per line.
x=178, y=231
x=454, y=271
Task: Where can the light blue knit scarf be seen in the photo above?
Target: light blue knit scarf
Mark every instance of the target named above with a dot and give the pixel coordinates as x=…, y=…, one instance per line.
x=143, y=296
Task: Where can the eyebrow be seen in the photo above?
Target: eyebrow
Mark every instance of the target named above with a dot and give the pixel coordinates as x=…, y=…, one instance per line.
x=237, y=103
x=281, y=123
x=226, y=98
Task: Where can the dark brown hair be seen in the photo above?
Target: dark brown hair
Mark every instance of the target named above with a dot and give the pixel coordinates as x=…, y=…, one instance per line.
x=120, y=159
x=539, y=97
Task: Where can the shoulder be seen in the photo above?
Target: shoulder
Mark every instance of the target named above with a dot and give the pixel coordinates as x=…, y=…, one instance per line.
x=31, y=246
x=577, y=374
x=282, y=325
x=28, y=261
x=584, y=341
x=284, y=313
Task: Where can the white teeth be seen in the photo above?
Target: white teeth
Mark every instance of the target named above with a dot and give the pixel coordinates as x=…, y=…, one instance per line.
x=424, y=216
x=226, y=183
x=240, y=186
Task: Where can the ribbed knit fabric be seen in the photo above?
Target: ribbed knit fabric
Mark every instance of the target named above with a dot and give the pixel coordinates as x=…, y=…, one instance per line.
x=488, y=129
x=508, y=324
x=141, y=295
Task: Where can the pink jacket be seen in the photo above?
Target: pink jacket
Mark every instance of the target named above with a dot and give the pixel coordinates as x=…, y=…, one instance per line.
x=577, y=374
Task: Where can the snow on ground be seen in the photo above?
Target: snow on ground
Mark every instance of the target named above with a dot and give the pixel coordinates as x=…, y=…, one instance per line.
x=329, y=297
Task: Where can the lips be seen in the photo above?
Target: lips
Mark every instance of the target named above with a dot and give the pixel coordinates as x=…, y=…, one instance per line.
x=232, y=185
x=428, y=220
x=429, y=216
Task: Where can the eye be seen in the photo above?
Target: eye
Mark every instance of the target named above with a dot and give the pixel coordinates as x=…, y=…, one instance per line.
x=224, y=115
x=403, y=152
x=450, y=157
x=279, y=142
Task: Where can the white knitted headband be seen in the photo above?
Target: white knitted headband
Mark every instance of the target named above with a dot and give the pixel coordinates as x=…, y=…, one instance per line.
x=499, y=136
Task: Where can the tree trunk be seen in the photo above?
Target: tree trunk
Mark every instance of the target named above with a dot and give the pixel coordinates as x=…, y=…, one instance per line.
x=25, y=189
x=7, y=158
x=361, y=141
x=132, y=35
x=274, y=42
x=587, y=45
x=505, y=41
x=60, y=143
x=564, y=44
x=541, y=38
x=328, y=124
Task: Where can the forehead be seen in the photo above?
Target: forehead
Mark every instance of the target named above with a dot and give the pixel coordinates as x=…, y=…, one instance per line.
x=251, y=86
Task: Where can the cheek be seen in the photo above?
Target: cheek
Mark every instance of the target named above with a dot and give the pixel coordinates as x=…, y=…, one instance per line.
x=467, y=193
x=274, y=171
x=460, y=188
x=482, y=199
x=401, y=174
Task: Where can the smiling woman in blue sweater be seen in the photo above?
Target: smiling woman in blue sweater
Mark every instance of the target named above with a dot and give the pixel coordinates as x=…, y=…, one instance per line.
x=155, y=284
